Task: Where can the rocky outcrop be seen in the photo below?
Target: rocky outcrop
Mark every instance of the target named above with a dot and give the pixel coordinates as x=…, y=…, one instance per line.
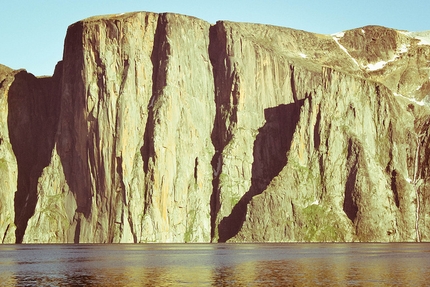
x=8, y=165
x=164, y=128
x=133, y=144
x=348, y=174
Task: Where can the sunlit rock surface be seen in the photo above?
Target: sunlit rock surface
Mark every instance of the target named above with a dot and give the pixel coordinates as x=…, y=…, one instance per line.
x=165, y=128
x=8, y=165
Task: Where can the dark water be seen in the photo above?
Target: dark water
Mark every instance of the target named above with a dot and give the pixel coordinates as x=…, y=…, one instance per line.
x=357, y=264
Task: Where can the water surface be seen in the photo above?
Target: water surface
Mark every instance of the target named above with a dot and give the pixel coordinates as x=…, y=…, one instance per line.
x=297, y=264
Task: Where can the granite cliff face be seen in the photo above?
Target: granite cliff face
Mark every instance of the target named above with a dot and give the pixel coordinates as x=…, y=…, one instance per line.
x=8, y=165
x=164, y=128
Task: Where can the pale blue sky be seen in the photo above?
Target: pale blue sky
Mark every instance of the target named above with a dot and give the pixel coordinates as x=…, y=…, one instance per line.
x=32, y=31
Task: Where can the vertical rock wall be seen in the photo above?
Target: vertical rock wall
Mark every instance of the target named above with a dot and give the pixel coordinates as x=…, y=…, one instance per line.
x=8, y=165
x=29, y=118
x=134, y=134
x=163, y=128
x=350, y=158
x=256, y=99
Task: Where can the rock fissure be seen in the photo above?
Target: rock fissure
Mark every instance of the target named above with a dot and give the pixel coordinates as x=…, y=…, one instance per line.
x=349, y=204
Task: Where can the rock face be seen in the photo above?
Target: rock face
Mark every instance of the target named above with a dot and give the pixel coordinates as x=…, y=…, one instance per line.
x=8, y=165
x=164, y=128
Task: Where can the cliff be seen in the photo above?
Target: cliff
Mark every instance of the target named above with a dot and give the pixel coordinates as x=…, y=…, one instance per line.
x=164, y=128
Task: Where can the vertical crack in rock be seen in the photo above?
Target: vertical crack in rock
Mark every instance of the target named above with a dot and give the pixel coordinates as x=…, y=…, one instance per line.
x=349, y=205
x=78, y=231
x=160, y=51
x=317, y=132
x=395, y=176
x=119, y=197
x=293, y=84
x=394, y=187
x=216, y=162
x=32, y=123
x=5, y=232
x=72, y=122
x=225, y=83
x=126, y=66
x=196, y=167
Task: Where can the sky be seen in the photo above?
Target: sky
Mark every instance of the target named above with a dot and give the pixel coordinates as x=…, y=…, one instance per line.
x=32, y=31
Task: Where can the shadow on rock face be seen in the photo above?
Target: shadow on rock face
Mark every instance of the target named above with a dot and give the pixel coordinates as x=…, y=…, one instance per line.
x=33, y=106
x=270, y=155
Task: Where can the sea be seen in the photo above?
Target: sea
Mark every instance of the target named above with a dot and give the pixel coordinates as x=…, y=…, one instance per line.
x=274, y=264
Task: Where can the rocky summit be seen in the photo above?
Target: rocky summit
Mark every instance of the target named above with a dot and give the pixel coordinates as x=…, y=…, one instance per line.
x=165, y=128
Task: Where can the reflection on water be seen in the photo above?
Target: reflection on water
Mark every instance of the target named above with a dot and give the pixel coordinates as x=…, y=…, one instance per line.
x=215, y=265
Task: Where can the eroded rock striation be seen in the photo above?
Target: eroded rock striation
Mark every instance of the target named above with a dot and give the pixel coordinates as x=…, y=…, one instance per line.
x=165, y=128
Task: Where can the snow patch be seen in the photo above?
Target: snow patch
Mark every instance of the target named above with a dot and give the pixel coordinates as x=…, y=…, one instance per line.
x=413, y=100
x=338, y=35
x=424, y=36
x=376, y=66
x=316, y=202
x=362, y=31
x=381, y=64
x=409, y=180
x=303, y=55
x=420, y=103
x=336, y=38
x=403, y=48
x=423, y=40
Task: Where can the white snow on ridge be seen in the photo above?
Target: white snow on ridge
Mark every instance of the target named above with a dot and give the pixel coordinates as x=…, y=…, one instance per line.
x=338, y=35
x=423, y=36
x=376, y=66
x=371, y=66
x=303, y=55
x=403, y=48
x=336, y=38
x=420, y=103
x=413, y=100
x=423, y=40
x=381, y=64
